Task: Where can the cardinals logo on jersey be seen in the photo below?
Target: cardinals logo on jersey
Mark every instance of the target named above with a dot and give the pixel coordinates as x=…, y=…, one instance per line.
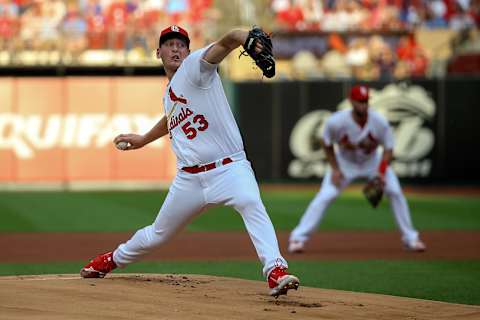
x=176, y=100
x=345, y=143
x=369, y=144
x=174, y=97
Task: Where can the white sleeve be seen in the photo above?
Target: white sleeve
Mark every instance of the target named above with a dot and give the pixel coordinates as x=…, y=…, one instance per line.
x=388, y=140
x=328, y=133
x=200, y=73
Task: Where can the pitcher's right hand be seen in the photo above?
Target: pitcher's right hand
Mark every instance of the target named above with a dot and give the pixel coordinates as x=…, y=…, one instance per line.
x=135, y=141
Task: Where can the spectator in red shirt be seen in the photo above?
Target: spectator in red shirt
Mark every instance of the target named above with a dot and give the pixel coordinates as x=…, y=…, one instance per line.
x=413, y=55
x=8, y=26
x=96, y=25
x=419, y=64
x=288, y=16
x=406, y=48
x=116, y=22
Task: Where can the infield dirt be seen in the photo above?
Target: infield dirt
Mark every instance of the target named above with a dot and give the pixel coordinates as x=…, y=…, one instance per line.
x=201, y=297
x=347, y=245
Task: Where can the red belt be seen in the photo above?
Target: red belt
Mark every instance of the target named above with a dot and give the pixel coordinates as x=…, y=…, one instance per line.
x=206, y=167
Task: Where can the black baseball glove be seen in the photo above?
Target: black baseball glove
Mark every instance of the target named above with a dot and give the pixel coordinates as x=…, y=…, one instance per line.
x=264, y=59
x=373, y=191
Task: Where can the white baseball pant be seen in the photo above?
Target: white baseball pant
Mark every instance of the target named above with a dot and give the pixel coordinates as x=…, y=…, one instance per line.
x=329, y=192
x=232, y=185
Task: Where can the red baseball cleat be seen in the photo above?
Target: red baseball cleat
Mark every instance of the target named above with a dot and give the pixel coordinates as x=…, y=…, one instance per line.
x=280, y=282
x=99, y=266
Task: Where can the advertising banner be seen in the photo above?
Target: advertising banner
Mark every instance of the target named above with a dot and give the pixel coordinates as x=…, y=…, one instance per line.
x=60, y=129
x=410, y=111
x=433, y=123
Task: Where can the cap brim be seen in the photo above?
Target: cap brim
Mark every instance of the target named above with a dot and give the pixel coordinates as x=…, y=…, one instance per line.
x=174, y=35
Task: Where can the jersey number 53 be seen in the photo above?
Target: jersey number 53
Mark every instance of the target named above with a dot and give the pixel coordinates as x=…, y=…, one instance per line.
x=199, y=124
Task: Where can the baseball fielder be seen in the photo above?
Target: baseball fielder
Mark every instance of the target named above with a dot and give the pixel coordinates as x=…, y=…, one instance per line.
x=351, y=139
x=211, y=162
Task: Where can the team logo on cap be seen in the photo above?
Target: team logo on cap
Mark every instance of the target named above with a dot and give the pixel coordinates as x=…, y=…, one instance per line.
x=174, y=29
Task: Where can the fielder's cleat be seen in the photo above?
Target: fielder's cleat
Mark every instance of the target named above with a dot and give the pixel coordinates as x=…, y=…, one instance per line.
x=296, y=246
x=415, y=246
x=99, y=266
x=280, y=282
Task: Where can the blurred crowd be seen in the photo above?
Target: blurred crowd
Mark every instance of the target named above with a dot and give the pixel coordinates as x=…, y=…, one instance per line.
x=368, y=39
x=365, y=57
x=372, y=53
x=368, y=15
x=72, y=26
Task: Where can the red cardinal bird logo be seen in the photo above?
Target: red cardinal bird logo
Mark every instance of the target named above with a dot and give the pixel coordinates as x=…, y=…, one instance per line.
x=174, y=97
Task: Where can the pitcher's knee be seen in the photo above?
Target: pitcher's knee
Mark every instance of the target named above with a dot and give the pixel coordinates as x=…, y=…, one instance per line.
x=248, y=203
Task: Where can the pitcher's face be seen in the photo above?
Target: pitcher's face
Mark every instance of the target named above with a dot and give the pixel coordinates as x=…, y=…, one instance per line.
x=173, y=52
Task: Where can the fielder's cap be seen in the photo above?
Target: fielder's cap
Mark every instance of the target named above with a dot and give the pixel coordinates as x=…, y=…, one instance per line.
x=359, y=93
x=174, y=32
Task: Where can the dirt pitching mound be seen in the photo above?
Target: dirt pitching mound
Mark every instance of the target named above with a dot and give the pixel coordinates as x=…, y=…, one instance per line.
x=149, y=296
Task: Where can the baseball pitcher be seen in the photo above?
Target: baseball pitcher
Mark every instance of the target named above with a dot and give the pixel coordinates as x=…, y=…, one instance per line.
x=211, y=162
x=351, y=139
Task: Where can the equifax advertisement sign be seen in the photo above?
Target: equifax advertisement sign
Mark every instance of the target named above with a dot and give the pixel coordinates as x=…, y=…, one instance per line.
x=61, y=130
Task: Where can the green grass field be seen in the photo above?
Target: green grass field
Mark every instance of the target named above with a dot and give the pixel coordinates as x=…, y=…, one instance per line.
x=128, y=211
x=451, y=281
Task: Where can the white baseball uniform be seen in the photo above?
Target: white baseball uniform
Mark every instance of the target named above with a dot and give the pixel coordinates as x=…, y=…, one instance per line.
x=357, y=153
x=212, y=166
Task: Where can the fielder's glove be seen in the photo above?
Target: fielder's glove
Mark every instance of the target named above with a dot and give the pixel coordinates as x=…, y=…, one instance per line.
x=373, y=191
x=264, y=59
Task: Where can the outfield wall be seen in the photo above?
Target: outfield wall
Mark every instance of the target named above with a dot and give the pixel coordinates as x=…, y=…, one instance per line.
x=59, y=130
x=435, y=125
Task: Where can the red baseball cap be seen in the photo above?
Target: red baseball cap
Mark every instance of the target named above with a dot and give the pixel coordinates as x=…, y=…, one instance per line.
x=174, y=32
x=359, y=93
